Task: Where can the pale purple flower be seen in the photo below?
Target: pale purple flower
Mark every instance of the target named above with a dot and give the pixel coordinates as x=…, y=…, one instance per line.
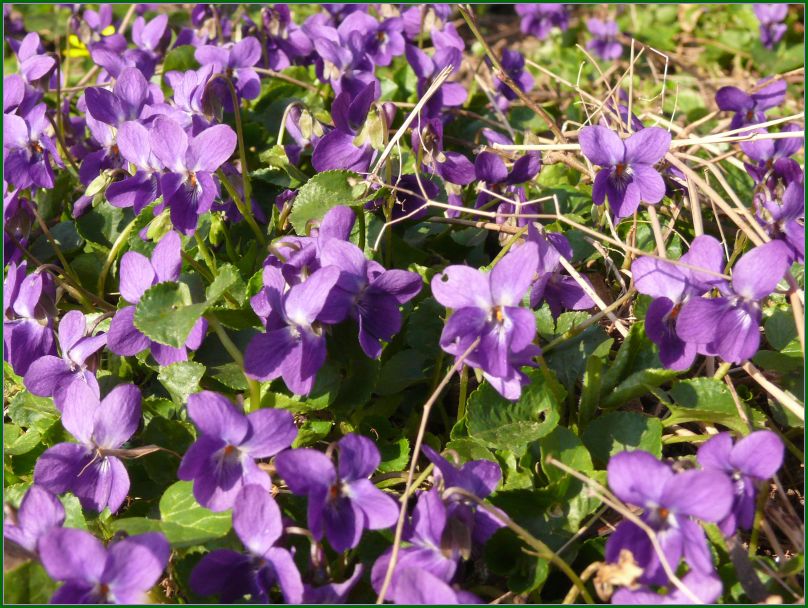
x=670, y=501
x=39, y=513
x=627, y=176
x=286, y=42
x=750, y=108
x=90, y=469
x=490, y=169
x=35, y=66
x=236, y=62
x=138, y=273
x=332, y=593
x=342, y=501
x=222, y=460
x=50, y=376
x=232, y=575
x=785, y=219
x=513, y=62
x=18, y=216
x=342, y=59
x=487, y=306
x=123, y=573
x=28, y=149
x=341, y=148
x=771, y=17
x=427, y=68
x=604, y=39
x=539, y=19
x=672, y=286
x=771, y=156
x=417, y=586
x=751, y=461
x=729, y=325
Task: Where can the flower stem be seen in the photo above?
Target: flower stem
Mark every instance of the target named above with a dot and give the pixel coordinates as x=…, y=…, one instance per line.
x=206, y=254
x=722, y=371
x=235, y=354
x=112, y=256
x=464, y=385
x=241, y=207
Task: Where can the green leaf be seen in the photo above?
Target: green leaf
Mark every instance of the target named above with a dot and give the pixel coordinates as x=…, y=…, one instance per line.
x=66, y=237
x=16, y=441
x=704, y=400
x=228, y=280
x=780, y=329
x=591, y=391
x=395, y=455
x=620, y=431
x=403, y=369
x=311, y=432
x=185, y=523
x=181, y=379
x=32, y=412
x=468, y=449
x=103, y=224
x=499, y=423
x=27, y=584
x=563, y=445
x=324, y=191
x=637, y=385
x=165, y=313
x=504, y=555
x=170, y=434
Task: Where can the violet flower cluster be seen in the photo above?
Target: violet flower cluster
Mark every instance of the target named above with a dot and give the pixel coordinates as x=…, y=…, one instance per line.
x=723, y=491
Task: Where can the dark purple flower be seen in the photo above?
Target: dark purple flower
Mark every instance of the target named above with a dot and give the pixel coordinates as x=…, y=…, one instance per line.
x=705, y=586
x=35, y=66
x=481, y=478
x=772, y=28
x=604, y=39
x=672, y=286
x=513, y=62
x=28, y=150
x=729, y=325
x=125, y=102
x=431, y=544
x=781, y=219
x=188, y=187
x=138, y=274
x=29, y=305
x=286, y=42
x=539, y=19
x=236, y=62
x=410, y=201
x=222, y=460
x=232, y=575
x=486, y=306
x=559, y=290
x=670, y=500
x=771, y=156
x=490, y=169
x=189, y=96
x=385, y=41
x=50, y=376
x=342, y=501
x=426, y=68
x=39, y=513
x=134, y=145
x=121, y=574
x=751, y=461
x=750, y=109
x=332, y=593
x=417, y=586
x=89, y=468
x=18, y=217
x=371, y=294
x=344, y=147
x=293, y=346
x=342, y=59
x=627, y=176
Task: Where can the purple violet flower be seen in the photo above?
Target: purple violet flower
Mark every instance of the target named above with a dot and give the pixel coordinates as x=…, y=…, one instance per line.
x=486, y=306
x=431, y=544
x=286, y=42
x=50, y=376
x=481, y=478
x=222, y=460
x=604, y=39
x=705, y=586
x=90, y=469
x=35, y=66
x=751, y=461
x=293, y=346
x=513, y=62
x=771, y=17
x=371, y=294
x=236, y=62
x=418, y=586
x=670, y=501
x=332, y=593
x=346, y=146
x=188, y=187
x=729, y=325
x=121, y=574
x=672, y=286
x=29, y=305
x=426, y=68
x=490, y=169
x=772, y=159
x=559, y=290
x=781, y=219
x=137, y=275
x=39, y=513
x=539, y=19
x=232, y=575
x=627, y=176
x=28, y=150
x=750, y=109
x=342, y=501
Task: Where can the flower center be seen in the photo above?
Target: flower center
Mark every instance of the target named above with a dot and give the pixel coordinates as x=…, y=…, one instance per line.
x=750, y=115
x=229, y=449
x=663, y=513
x=499, y=315
x=192, y=179
x=620, y=169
